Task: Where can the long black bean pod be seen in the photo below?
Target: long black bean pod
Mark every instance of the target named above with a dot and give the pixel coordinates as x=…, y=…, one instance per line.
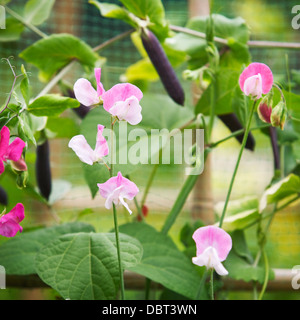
x=233, y=124
x=43, y=169
x=3, y=197
x=275, y=147
x=163, y=67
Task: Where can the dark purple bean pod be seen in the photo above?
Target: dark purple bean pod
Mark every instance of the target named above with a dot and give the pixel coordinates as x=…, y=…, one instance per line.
x=3, y=197
x=163, y=67
x=43, y=169
x=275, y=147
x=233, y=124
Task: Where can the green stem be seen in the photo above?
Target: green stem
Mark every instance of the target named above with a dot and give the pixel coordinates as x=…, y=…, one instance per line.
x=212, y=284
x=237, y=133
x=119, y=253
x=237, y=164
x=266, y=262
x=27, y=24
x=115, y=215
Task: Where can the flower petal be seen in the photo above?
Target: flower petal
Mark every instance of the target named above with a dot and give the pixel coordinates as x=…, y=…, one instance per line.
x=101, y=149
x=128, y=110
x=9, y=223
x=120, y=92
x=15, y=149
x=4, y=141
x=100, y=89
x=211, y=236
x=256, y=68
x=82, y=149
x=85, y=93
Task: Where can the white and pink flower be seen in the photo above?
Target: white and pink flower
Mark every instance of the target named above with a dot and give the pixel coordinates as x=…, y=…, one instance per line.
x=116, y=189
x=213, y=245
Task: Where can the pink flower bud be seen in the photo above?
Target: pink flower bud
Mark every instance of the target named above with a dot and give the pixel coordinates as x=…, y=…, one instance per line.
x=264, y=112
x=19, y=165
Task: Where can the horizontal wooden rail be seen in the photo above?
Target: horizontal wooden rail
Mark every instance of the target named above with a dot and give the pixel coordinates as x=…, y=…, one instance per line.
x=133, y=281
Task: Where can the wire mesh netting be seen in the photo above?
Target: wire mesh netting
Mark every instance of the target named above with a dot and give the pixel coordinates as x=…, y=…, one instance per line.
x=268, y=20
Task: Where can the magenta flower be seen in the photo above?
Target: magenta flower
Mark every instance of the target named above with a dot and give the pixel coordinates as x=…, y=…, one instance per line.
x=85, y=93
x=10, y=222
x=8, y=151
x=255, y=80
x=83, y=150
x=213, y=245
x=116, y=189
x=122, y=101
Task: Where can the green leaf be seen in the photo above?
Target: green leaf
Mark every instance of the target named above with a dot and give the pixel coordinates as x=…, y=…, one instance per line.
x=240, y=246
x=24, y=129
x=24, y=86
x=110, y=10
x=51, y=105
x=162, y=261
x=56, y=51
x=13, y=30
x=84, y=266
x=63, y=127
x=38, y=11
x=281, y=190
x=226, y=81
x=240, y=213
x=240, y=269
x=234, y=30
x=17, y=254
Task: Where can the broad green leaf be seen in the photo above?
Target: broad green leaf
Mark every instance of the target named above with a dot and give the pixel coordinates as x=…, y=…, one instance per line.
x=240, y=214
x=38, y=11
x=110, y=10
x=226, y=81
x=235, y=31
x=13, y=30
x=84, y=266
x=152, y=10
x=62, y=127
x=281, y=190
x=142, y=69
x=51, y=105
x=56, y=51
x=240, y=246
x=17, y=254
x=240, y=269
x=162, y=261
x=237, y=206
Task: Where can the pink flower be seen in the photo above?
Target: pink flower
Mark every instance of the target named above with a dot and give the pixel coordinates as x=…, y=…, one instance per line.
x=256, y=79
x=213, y=245
x=8, y=151
x=85, y=93
x=83, y=150
x=116, y=189
x=10, y=222
x=122, y=101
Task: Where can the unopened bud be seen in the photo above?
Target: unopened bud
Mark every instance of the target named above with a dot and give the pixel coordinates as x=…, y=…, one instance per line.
x=278, y=115
x=264, y=112
x=19, y=165
x=22, y=179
